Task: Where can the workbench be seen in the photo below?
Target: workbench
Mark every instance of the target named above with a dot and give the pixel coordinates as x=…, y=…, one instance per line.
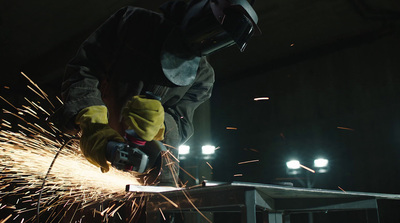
x=276, y=202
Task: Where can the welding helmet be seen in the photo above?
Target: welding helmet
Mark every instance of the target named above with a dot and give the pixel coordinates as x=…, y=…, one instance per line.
x=211, y=25
x=204, y=27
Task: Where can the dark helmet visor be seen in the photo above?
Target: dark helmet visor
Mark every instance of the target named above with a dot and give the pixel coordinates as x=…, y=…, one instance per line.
x=238, y=26
x=210, y=28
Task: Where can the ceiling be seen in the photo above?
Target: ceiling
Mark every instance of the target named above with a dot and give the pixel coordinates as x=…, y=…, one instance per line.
x=40, y=37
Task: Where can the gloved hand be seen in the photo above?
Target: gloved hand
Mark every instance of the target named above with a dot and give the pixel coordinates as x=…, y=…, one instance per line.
x=96, y=133
x=146, y=117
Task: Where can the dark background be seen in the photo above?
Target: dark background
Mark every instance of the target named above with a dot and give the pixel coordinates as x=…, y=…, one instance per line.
x=324, y=64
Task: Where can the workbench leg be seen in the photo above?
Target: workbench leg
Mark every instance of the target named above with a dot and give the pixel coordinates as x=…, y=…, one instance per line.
x=249, y=211
x=286, y=218
x=278, y=217
x=372, y=216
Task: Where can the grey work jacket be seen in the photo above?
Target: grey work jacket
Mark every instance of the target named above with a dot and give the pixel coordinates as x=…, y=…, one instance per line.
x=126, y=48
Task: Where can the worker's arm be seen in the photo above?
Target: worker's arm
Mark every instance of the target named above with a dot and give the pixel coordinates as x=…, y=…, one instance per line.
x=83, y=72
x=179, y=118
x=95, y=61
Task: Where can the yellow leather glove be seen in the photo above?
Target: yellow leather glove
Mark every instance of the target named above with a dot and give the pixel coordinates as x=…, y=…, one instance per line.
x=146, y=117
x=96, y=133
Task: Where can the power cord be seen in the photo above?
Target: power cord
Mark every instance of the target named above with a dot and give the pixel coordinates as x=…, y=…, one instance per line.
x=48, y=171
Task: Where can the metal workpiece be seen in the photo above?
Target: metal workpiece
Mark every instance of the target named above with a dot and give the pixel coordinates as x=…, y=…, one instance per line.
x=224, y=198
x=275, y=202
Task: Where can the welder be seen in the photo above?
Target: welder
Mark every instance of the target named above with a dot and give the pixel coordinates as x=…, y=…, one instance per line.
x=164, y=54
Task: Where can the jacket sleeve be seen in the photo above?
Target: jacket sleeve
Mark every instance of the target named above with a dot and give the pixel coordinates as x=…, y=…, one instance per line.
x=90, y=65
x=183, y=111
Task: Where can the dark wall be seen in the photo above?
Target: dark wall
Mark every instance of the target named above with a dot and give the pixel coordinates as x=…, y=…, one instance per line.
x=356, y=87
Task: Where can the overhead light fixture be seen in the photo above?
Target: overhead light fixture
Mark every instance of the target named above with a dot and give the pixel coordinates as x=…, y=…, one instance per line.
x=293, y=164
x=207, y=150
x=321, y=162
x=184, y=149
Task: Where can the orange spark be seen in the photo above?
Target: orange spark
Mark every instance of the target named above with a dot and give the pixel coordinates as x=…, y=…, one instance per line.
x=194, y=206
x=170, y=154
x=30, y=88
x=9, y=103
x=197, y=186
x=5, y=125
x=261, y=99
x=250, y=161
x=209, y=165
x=39, y=107
x=105, y=210
x=231, y=128
x=250, y=149
x=254, y=150
x=341, y=189
x=162, y=214
x=4, y=220
x=119, y=216
x=59, y=100
x=169, y=200
x=27, y=154
x=169, y=146
x=187, y=173
x=238, y=175
x=43, y=93
x=344, y=128
x=307, y=168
